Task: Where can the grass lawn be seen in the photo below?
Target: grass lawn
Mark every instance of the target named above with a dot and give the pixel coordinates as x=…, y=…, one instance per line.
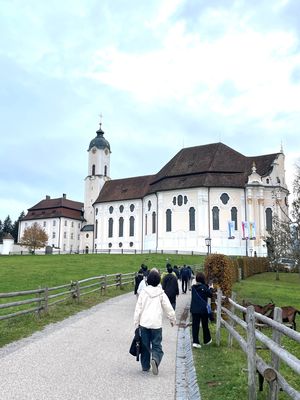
x=221, y=371
x=33, y=271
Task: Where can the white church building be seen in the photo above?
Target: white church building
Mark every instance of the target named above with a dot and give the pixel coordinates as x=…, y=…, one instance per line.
x=206, y=198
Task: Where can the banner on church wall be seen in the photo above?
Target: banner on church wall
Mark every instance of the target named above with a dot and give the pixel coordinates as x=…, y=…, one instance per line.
x=231, y=230
x=249, y=230
x=252, y=230
x=245, y=230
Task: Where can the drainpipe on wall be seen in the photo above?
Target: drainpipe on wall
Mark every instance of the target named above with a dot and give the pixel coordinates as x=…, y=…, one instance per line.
x=209, y=213
x=156, y=247
x=142, y=234
x=246, y=240
x=59, y=244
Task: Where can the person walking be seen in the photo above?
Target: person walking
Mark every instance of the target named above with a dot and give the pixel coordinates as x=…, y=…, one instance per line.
x=170, y=286
x=151, y=304
x=200, y=293
x=184, y=275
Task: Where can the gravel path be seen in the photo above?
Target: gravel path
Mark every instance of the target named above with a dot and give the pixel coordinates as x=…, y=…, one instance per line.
x=86, y=357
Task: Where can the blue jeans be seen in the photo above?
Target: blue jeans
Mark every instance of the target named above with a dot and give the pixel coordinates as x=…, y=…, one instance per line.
x=151, y=346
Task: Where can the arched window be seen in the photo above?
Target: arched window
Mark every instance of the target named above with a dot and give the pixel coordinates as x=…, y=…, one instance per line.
x=269, y=219
x=179, y=200
x=121, y=226
x=153, y=222
x=110, y=227
x=96, y=229
x=131, y=226
x=168, y=220
x=215, y=218
x=93, y=169
x=234, y=217
x=192, y=218
x=105, y=170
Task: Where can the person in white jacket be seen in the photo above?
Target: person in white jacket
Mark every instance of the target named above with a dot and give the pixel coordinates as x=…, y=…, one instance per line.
x=151, y=304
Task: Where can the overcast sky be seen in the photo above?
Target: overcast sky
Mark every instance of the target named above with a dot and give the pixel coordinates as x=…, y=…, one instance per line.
x=165, y=74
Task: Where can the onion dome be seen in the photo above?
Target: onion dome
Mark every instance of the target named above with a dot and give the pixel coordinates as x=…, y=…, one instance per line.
x=99, y=141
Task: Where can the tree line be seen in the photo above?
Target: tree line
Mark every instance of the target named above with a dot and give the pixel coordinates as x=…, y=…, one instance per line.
x=8, y=226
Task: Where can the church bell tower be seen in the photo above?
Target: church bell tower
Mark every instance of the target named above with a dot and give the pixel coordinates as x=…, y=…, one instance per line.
x=98, y=172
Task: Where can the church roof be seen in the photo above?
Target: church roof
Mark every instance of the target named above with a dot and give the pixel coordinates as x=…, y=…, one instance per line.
x=211, y=165
x=125, y=189
x=54, y=208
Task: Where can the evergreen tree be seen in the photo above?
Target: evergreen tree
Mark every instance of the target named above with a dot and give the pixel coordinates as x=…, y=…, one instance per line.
x=7, y=225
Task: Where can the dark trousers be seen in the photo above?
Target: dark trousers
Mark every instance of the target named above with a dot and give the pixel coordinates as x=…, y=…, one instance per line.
x=184, y=284
x=151, y=346
x=196, y=318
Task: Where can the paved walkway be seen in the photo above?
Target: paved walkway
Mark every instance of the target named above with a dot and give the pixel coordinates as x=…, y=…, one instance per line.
x=86, y=357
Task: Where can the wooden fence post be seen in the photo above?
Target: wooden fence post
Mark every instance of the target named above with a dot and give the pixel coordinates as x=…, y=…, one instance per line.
x=46, y=300
x=231, y=322
x=39, y=303
x=77, y=291
x=276, y=337
x=251, y=350
x=219, y=311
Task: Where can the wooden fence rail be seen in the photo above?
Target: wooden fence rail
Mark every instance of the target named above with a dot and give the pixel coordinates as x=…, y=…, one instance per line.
x=43, y=298
x=227, y=318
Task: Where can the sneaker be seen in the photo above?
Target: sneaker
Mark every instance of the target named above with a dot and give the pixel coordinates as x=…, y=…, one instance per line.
x=146, y=370
x=208, y=342
x=154, y=367
x=197, y=345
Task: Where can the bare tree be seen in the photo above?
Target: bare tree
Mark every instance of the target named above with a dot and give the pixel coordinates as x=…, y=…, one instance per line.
x=34, y=237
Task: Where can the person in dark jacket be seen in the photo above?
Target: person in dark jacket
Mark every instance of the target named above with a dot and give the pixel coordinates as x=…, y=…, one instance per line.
x=200, y=293
x=184, y=275
x=170, y=286
x=137, y=280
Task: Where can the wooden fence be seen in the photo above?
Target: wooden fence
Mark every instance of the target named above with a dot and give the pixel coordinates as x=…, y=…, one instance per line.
x=43, y=298
x=270, y=372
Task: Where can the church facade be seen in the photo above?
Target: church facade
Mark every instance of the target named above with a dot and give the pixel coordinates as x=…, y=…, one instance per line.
x=207, y=198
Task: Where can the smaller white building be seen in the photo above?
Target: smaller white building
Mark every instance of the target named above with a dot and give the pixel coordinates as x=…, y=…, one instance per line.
x=61, y=219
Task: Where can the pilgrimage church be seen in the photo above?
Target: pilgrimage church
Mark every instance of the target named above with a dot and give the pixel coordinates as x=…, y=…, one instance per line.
x=207, y=198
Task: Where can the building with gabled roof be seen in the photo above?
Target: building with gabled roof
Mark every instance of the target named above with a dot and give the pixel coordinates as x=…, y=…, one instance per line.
x=207, y=195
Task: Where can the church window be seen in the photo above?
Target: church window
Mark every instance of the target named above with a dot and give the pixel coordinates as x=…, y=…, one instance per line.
x=93, y=169
x=131, y=226
x=168, y=220
x=146, y=225
x=54, y=222
x=153, y=222
x=96, y=229
x=179, y=200
x=268, y=180
x=110, y=227
x=64, y=247
x=215, y=218
x=185, y=199
x=72, y=236
x=66, y=223
x=79, y=225
x=121, y=208
x=65, y=235
x=131, y=207
x=121, y=226
x=277, y=179
x=174, y=201
x=269, y=218
x=87, y=235
x=224, y=198
x=131, y=244
x=72, y=224
x=192, y=218
x=53, y=235
x=96, y=211
x=78, y=236
x=120, y=244
x=234, y=217
x=111, y=209
x=109, y=245
x=149, y=205
x=105, y=170
x=44, y=224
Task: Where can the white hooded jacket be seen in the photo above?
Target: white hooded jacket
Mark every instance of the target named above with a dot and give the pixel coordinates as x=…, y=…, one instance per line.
x=151, y=304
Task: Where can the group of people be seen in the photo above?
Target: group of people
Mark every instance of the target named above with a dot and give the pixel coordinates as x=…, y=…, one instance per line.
x=156, y=294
